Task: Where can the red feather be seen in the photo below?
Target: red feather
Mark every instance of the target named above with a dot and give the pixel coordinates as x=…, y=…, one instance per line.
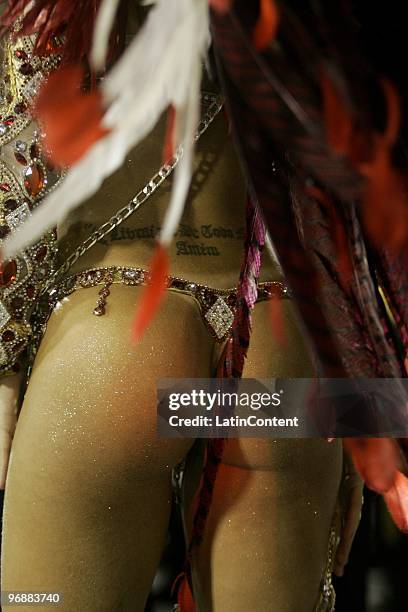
x=168, y=149
x=71, y=119
x=343, y=258
x=48, y=18
x=153, y=294
x=266, y=27
x=185, y=598
x=385, y=203
x=336, y=119
x=397, y=501
x=393, y=112
x=377, y=460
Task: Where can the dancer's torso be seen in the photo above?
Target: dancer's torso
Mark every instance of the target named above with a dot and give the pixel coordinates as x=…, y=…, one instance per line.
x=208, y=246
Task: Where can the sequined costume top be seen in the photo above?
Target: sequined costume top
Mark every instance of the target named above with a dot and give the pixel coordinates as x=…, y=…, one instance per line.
x=25, y=178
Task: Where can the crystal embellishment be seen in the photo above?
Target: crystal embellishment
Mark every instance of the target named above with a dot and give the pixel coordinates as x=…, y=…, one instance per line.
x=220, y=317
x=30, y=89
x=91, y=278
x=133, y=277
x=4, y=315
x=17, y=217
x=21, y=146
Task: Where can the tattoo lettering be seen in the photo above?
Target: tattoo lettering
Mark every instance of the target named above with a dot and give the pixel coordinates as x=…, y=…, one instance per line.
x=184, y=248
x=188, y=235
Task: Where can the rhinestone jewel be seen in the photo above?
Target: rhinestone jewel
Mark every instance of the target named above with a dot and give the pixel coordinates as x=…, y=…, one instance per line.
x=220, y=317
x=26, y=69
x=10, y=204
x=8, y=273
x=20, y=107
x=30, y=89
x=17, y=217
x=91, y=278
x=99, y=310
x=20, y=158
x=41, y=272
x=191, y=287
x=3, y=129
x=41, y=253
x=21, y=54
x=132, y=277
x=20, y=146
x=4, y=315
x=8, y=335
x=34, y=151
x=34, y=179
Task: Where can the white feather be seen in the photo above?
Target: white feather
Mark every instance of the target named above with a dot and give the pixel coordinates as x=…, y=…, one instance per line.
x=103, y=28
x=162, y=66
x=271, y=250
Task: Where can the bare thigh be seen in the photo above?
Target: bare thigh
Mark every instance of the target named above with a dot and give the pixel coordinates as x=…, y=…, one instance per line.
x=274, y=501
x=88, y=492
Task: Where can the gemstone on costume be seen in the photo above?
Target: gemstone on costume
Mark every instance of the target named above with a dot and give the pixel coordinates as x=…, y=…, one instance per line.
x=5, y=187
x=21, y=54
x=17, y=217
x=34, y=151
x=20, y=146
x=30, y=89
x=26, y=69
x=99, y=310
x=20, y=157
x=3, y=129
x=8, y=121
x=10, y=204
x=30, y=291
x=41, y=253
x=8, y=335
x=8, y=273
x=20, y=108
x=91, y=278
x=34, y=179
x=53, y=43
x=220, y=317
x=41, y=272
x=132, y=277
x=191, y=287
